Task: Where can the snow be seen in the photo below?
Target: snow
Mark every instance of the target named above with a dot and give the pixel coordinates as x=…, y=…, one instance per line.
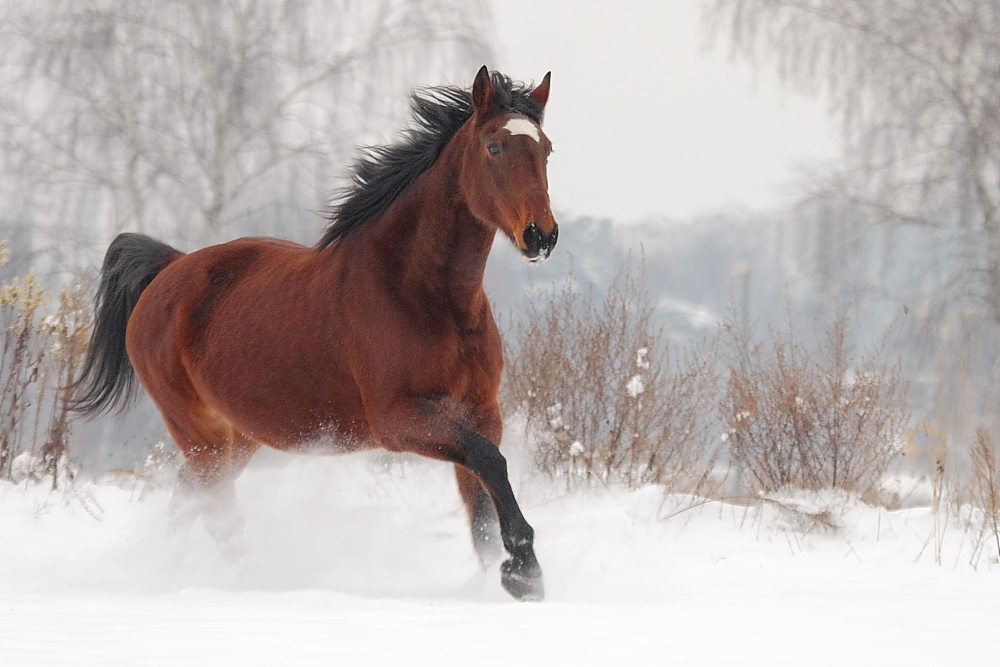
x=366, y=560
x=635, y=386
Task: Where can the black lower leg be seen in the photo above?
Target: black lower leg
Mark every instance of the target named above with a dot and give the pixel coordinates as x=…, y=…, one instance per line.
x=521, y=575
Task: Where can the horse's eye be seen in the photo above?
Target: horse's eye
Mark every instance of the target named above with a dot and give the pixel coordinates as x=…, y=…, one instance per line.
x=494, y=149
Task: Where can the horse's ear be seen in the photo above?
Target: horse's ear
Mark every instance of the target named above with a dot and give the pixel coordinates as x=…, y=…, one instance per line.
x=482, y=92
x=541, y=92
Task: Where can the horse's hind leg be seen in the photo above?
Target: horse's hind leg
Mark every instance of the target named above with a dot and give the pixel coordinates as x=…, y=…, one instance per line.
x=216, y=505
x=483, y=518
x=214, y=455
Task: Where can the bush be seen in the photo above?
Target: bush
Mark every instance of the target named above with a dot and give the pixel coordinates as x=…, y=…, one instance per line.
x=792, y=419
x=603, y=396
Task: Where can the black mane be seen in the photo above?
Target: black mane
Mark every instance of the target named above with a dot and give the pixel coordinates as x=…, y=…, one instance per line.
x=383, y=173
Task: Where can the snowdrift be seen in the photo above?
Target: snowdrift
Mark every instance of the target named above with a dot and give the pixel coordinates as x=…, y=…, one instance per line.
x=366, y=559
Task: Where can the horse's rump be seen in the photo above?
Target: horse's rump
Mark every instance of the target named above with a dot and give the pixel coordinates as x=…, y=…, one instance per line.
x=256, y=344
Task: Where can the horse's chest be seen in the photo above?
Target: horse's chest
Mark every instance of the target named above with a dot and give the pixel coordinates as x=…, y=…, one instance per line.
x=425, y=344
x=468, y=349
x=458, y=359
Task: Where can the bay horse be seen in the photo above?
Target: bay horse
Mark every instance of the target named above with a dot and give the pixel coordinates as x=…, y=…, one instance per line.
x=379, y=336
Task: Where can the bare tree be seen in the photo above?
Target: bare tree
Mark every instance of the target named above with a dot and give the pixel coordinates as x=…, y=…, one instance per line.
x=915, y=86
x=199, y=120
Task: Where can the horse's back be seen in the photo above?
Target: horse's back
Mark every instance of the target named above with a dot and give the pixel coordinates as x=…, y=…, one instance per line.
x=188, y=291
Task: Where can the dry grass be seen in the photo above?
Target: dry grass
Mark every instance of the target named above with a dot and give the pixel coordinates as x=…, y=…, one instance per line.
x=68, y=335
x=942, y=484
x=20, y=364
x=39, y=355
x=604, y=397
x=984, y=488
x=832, y=419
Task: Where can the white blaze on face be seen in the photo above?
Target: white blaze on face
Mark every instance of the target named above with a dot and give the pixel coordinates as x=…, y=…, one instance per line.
x=522, y=126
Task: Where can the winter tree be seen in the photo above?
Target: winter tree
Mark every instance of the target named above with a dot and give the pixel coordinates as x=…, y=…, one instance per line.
x=915, y=86
x=202, y=120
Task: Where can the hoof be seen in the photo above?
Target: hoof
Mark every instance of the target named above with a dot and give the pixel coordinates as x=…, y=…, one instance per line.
x=227, y=530
x=234, y=549
x=522, y=582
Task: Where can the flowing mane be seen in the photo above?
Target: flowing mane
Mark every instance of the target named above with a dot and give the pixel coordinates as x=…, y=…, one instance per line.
x=383, y=173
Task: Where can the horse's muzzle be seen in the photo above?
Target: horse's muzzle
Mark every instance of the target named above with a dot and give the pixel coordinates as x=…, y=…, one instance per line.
x=537, y=244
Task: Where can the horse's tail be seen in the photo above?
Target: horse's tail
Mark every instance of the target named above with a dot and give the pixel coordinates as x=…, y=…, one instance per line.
x=107, y=382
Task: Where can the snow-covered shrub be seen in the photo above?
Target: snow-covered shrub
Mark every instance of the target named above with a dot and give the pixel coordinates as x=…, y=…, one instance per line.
x=791, y=418
x=603, y=395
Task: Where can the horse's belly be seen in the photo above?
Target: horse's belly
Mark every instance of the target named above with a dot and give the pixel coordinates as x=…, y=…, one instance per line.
x=315, y=411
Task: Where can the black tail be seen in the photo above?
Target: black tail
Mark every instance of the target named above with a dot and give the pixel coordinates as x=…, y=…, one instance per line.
x=107, y=382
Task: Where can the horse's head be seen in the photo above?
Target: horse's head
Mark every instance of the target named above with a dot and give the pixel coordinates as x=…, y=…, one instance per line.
x=504, y=178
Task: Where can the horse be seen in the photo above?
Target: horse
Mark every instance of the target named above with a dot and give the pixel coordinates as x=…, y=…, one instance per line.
x=379, y=336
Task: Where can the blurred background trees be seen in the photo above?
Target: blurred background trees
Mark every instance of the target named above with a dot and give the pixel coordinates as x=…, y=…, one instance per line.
x=195, y=121
x=202, y=120
x=916, y=89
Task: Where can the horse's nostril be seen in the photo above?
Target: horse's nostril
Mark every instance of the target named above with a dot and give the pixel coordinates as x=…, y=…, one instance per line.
x=537, y=244
x=532, y=237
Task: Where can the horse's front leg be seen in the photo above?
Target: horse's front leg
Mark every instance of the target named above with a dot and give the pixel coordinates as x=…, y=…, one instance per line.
x=521, y=575
x=425, y=427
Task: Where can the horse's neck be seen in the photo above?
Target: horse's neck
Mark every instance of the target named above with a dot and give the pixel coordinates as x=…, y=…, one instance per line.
x=436, y=246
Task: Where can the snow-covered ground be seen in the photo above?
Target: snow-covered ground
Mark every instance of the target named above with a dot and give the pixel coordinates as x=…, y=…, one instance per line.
x=366, y=560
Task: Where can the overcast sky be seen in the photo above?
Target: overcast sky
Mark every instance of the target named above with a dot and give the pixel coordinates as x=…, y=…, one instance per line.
x=645, y=122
